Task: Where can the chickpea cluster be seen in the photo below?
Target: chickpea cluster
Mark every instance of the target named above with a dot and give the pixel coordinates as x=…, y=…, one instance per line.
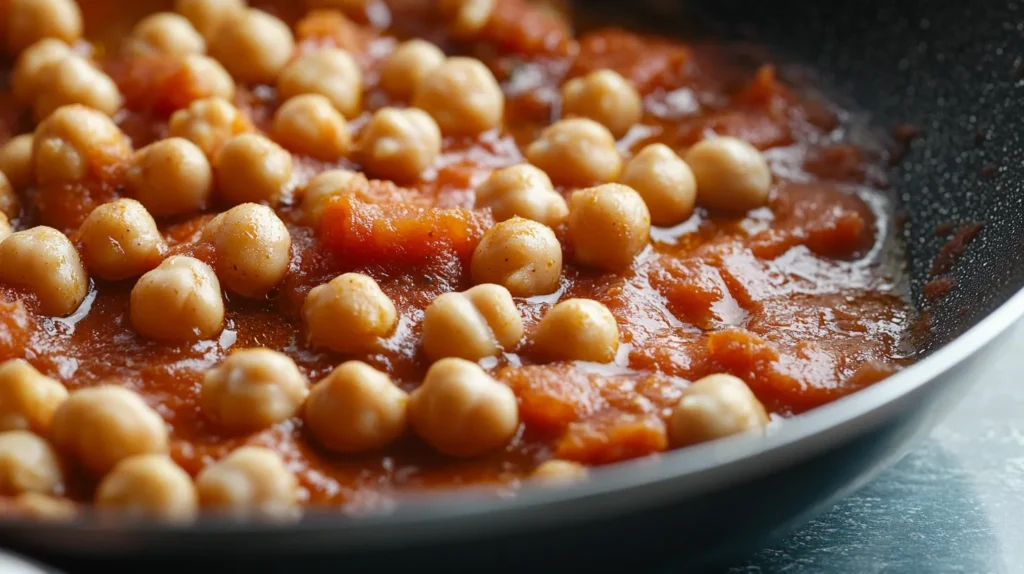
x=579, y=197
x=480, y=322
x=111, y=433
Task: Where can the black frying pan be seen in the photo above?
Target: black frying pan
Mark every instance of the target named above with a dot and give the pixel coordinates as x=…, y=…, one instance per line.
x=952, y=69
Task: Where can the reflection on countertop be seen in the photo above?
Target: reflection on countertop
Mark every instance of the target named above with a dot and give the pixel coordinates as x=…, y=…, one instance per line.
x=954, y=504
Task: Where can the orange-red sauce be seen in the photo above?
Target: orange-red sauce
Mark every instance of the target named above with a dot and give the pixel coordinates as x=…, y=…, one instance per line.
x=799, y=298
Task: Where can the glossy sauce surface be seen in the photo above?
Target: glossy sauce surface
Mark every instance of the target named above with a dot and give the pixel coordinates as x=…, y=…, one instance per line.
x=800, y=298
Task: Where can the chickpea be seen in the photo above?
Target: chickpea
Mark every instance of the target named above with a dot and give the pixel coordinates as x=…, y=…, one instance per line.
x=576, y=152
x=251, y=482
x=208, y=123
x=605, y=97
x=165, y=33
x=608, y=225
x=521, y=255
x=559, y=472
x=120, y=240
x=27, y=73
x=208, y=15
x=73, y=80
x=411, y=61
x=253, y=249
x=308, y=124
x=28, y=464
x=665, y=183
x=330, y=72
x=477, y=323
x=100, y=426
x=356, y=408
x=578, y=330
x=10, y=205
x=179, y=300
x=399, y=144
x=523, y=191
x=713, y=407
x=76, y=142
x=461, y=411
x=149, y=486
x=16, y=161
x=324, y=186
x=253, y=45
x=38, y=506
x=462, y=96
x=171, y=177
x=466, y=18
x=355, y=301
x=29, y=21
x=731, y=175
x=5, y=227
x=28, y=398
x=207, y=78
x=252, y=390
x=43, y=261
x=251, y=168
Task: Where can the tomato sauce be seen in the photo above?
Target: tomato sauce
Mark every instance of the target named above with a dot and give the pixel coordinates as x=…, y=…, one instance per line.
x=800, y=298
